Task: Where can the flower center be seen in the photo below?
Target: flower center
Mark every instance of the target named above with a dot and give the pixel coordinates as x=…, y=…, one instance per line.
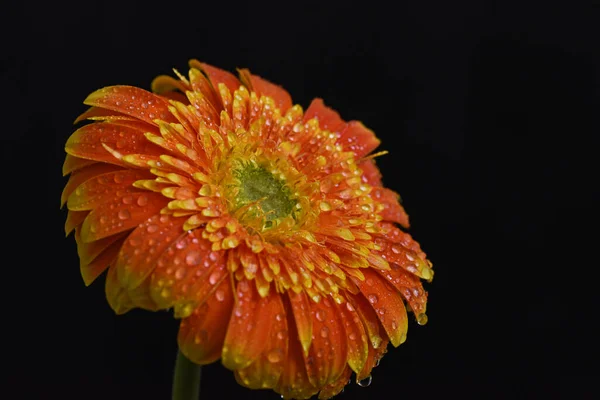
x=262, y=195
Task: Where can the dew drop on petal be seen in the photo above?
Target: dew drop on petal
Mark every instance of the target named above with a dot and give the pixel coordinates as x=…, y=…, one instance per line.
x=124, y=214
x=181, y=245
x=373, y=298
x=180, y=273
x=324, y=332
x=142, y=200
x=422, y=319
x=274, y=356
x=193, y=258
x=103, y=219
x=214, y=278
x=365, y=382
x=220, y=295
x=152, y=228
x=352, y=336
x=320, y=314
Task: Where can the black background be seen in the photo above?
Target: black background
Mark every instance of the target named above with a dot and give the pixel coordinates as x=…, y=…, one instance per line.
x=489, y=110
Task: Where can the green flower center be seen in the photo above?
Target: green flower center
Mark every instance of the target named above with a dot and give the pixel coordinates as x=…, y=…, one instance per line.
x=262, y=195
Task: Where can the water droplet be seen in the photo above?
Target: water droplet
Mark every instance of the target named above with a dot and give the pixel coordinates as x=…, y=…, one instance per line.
x=201, y=337
x=127, y=199
x=103, y=219
x=142, y=200
x=320, y=353
x=373, y=298
x=220, y=295
x=377, y=362
x=274, y=356
x=152, y=228
x=395, y=249
x=124, y=214
x=365, y=382
x=279, y=317
x=320, y=314
x=422, y=319
x=193, y=258
x=180, y=273
x=409, y=257
x=352, y=336
x=280, y=335
x=324, y=332
x=394, y=325
x=381, y=311
x=370, y=282
x=349, y=306
x=238, y=312
x=214, y=278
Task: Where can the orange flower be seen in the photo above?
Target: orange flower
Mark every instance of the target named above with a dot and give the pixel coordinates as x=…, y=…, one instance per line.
x=266, y=228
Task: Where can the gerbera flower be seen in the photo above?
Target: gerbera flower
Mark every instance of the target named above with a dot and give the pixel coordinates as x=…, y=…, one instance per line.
x=264, y=227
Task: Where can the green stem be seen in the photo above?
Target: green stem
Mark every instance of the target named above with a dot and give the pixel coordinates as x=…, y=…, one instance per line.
x=186, y=380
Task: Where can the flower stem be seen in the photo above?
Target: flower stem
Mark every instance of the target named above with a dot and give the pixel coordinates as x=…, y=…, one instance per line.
x=186, y=379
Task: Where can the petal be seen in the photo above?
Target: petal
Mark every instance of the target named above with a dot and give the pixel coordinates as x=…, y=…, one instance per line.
x=131, y=101
x=73, y=163
x=91, y=271
x=328, y=118
x=388, y=304
x=95, y=112
x=371, y=174
x=166, y=83
x=265, y=88
x=327, y=356
x=248, y=328
x=411, y=289
x=89, y=141
x=216, y=76
x=115, y=216
x=74, y=219
x=374, y=356
x=144, y=246
x=336, y=387
x=368, y=317
x=89, y=251
x=201, y=335
x=183, y=274
x=80, y=176
x=266, y=370
x=407, y=256
x=300, y=305
x=116, y=295
x=104, y=187
x=294, y=382
x=359, y=139
x=392, y=211
x=358, y=343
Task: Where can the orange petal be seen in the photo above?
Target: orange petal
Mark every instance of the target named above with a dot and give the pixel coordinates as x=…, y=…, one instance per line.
x=336, y=387
x=393, y=211
x=388, y=304
x=374, y=356
x=88, y=142
x=411, y=289
x=80, y=176
x=115, y=216
x=73, y=163
x=266, y=370
x=371, y=174
x=91, y=271
x=300, y=304
x=358, y=344
x=248, y=331
x=132, y=101
x=359, y=139
x=412, y=261
x=183, y=274
x=263, y=87
x=116, y=295
x=294, y=382
x=94, y=192
x=201, y=335
x=166, y=83
x=144, y=246
x=368, y=317
x=217, y=75
x=94, y=112
x=329, y=119
x=89, y=251
x=74, y=219
x=327, y=356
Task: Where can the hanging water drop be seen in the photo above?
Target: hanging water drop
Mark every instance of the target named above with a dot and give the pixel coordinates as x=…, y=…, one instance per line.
x=365, y=382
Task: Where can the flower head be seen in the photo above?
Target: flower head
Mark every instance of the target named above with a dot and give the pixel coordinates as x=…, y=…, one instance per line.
x=264, y=227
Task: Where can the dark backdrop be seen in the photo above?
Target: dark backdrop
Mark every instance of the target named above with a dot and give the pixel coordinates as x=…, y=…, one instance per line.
x=488, y=108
